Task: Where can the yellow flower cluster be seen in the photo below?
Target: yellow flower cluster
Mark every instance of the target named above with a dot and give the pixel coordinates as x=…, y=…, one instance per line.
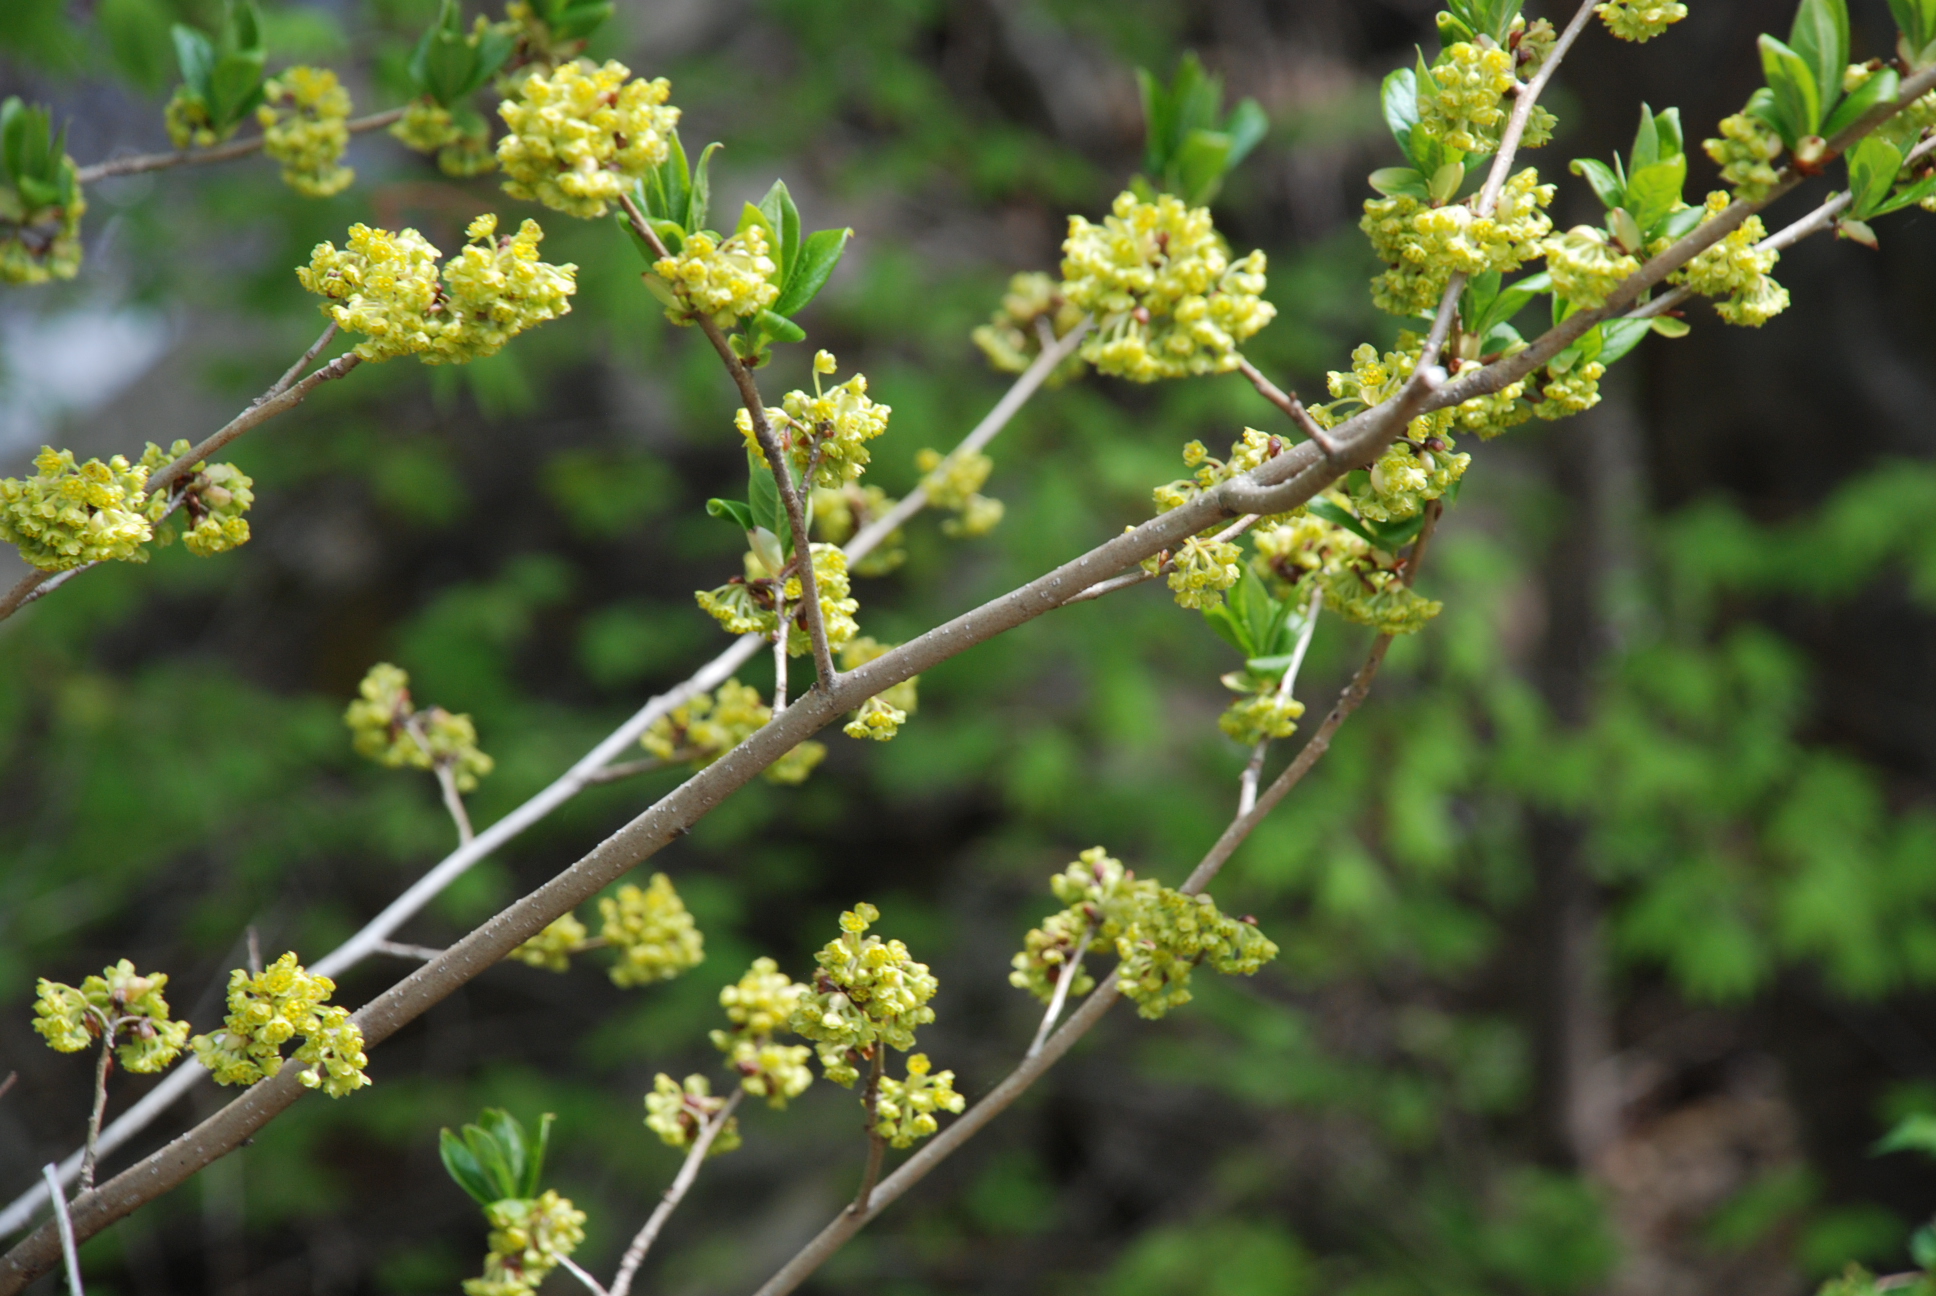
x=676, y=1113
x=1012, y=337
x=759, y=1005
x=904, y=1109
x=881, y=716
x=953, y=482
x=1587, y=265
x=1160, y=935
x=1640, y=20
x=1572, y=391
x=552, y=948
x=1414, y=469
x=269, y=1009
x=120, y=1004
x=1464, y=104
x=70, y=514
x=1424, y=246
x=305, y=126
x=1251, y=720
x=868, y=993
x=216, y=498
x=1496, y=412
x=1168, y=299
x=729, y=280
x=1359, y=583
x=1165, y=938
x=653, y=933
x=463, y=148
x=188, y=122
x=386, y=728
x=581, y=135
x=1746, y=152
x=825, y=434
x=1201, y=569
x=836, y=608
x=707, y=727
x=529, y=1238
x=1246, y=453
x=39, y=244
x=385, y=286
x=1734, y=272
x=840, y=512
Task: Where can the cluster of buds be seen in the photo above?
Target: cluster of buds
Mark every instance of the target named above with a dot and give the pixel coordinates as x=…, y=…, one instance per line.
x=676, y=1113
x=1360, y=583
x=552, y=948
x=70, y=514
x=881, y=716
x=40, y=198
x=953, y=482
x=825, y=435
x=269, y=1009
x=759, y=1005
x=529, y=1238
x=462, y=144
x=385, y=286
x=1033, y=308
x=653, y=933
x=751, y=604
x=1734, y=272
x=868, y=994
x=840, y=512
x=120, y=1008
x=727, y=279
x=386, y=727
x=1424, y=243
x=904, y=1109
x=1168, y=299
x=581, y=135
x=1640, y=20
x=305, y=126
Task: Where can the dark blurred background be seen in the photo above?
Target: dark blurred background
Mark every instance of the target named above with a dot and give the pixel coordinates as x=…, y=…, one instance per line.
x=1607, y=927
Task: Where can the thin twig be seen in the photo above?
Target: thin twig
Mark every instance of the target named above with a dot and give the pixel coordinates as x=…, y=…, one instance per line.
x=1289, y=403
x=454, y=801
x=780, y=662
x=626, y=769
x=220, y=153
x=23, y=591
x=255, y=951
x=689, y=1171
x=876, y=1145
x=1522, y=112
x=70, y=1252
x=1067, y=978
x=303, y=362
x=577, y=1271
x=90, y=1152
x=8, y=1083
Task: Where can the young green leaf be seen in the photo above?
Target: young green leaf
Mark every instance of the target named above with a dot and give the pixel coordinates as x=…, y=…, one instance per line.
x=1330, y=512
x=1797, y=99
x=1908, y=196
x=763, y=497
x=780, y=328
x=1915, y=1133
x=818, y=256
x=1247, y=125
x=1655, y=190
x=462, y=1166
x=1619, y=337
x=1196, y=170
x=1600, y=178
x=1873, y=164
x=1399, y=98
x=738, y=512
x=1879, y=88
x=1394, y=181
x=196, y=56
x=701, y=199
x=1820, y=36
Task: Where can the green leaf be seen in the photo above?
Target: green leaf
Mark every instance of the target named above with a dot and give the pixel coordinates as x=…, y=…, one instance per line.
x=1196, y=171
x=783, y=223
x=1669, y=327
x=666, y=193
x=1247, y=125
x=1330, y=512
x=462, y=1166
x=1873, y=164
x=1475, y=304
x=196, y=57
x=1513, y=298
x=1600, y=178
x=234, y=87
x=1675, y=226
x=1908, y=196
x=1399, y=99
x=1393, y=536
x=1797, y=101
x=1820, y=37
x=818, y=257
x=136, y=32
x=738, y=512
x=1225, y=623
x=702, y=189
x=763, y=497
x=1922, y=1247
x=1393, y=181
x=750, y=216
x=1915, y=1133
x=1156, y=120
x=1917, y=19
x=1445, y=181
x=1879, y=88
x=1646, y=145
x=1653, y=191
x=1619, y=337
x=1667, y=128
x=780, y=328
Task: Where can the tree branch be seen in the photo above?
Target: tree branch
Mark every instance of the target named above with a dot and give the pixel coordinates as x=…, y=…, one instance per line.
x=220, y=153
x=69, y=1251
x=688, y=1171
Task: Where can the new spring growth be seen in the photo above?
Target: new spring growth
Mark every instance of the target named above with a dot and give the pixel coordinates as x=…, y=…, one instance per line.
x=388, y=729
x=839, y=513
x=1160, y=936
x=904, y=1109
x=121, y=1007
x=1361, y=582
x=40, y=198
x=749, y=604
x=1424, y=242
x=655, y=937
x=1416, y=468
x=271, y=1008
x=552, y=948
x=676, y=1113
x=728, y=279
x=1639, y=20
x=69, y=514
x=1734, y=272
x=1012, y=338
x=305, y=126
x=707, y=727
x=825, y=435
x=462, y=146
x=1168, y=300
x=529, y=1238
x=759, y=1005
x=868, y=993
x=582, y=135
x=953, y=482
x=385, y=286
x=881, y=716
